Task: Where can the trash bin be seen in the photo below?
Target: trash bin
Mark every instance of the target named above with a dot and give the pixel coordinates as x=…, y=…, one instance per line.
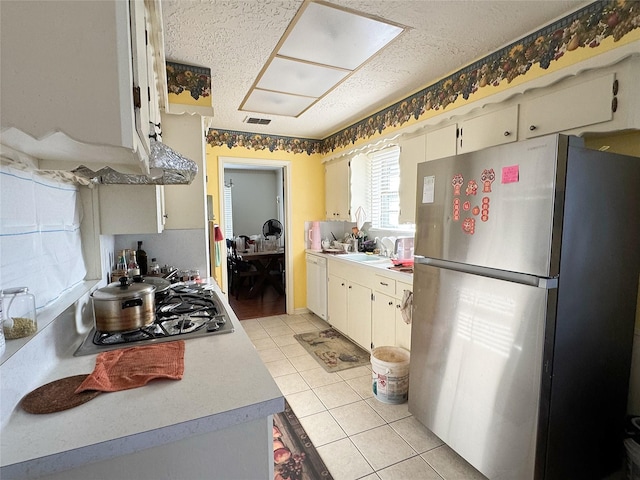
x=390, y=377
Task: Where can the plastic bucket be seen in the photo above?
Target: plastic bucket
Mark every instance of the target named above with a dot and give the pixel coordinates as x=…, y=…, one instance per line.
x=390, y=377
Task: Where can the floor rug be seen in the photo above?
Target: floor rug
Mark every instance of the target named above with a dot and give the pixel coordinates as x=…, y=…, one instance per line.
x=294, y=456
x=333, y=350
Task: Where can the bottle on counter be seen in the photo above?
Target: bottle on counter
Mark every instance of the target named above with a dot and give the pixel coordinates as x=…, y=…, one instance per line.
x=141, y=256
x=121, y=267
x=133, y=268
x=154, y=268
x=18, y=313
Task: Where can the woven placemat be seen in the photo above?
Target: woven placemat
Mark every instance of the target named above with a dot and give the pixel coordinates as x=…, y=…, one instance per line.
x=57, y=396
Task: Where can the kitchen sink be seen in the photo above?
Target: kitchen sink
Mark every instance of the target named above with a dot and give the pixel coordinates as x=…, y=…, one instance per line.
x=363, y=257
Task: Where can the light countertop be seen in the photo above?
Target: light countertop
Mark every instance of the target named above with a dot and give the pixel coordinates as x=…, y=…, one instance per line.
x=225, y=383
x=376, y=264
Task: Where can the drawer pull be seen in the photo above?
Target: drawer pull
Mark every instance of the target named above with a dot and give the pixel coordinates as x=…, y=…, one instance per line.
x=385, y=284
x=390, y=303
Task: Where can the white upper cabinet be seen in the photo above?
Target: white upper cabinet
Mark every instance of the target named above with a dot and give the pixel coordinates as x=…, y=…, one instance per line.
x=488, y=130
x=573, y=106
x=337, y=185
x=186, y=204
x=75, y=82
x=442, y=142
x=476, y=133
x=131, y=209
x=412, y=152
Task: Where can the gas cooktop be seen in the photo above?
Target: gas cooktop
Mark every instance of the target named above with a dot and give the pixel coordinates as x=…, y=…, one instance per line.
x=182, y=312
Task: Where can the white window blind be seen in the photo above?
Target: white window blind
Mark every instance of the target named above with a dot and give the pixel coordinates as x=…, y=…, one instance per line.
x=228, y=214
x=384, y=168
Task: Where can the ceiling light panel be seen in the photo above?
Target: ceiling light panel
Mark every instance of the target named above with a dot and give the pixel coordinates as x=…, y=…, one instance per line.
x=276, y=103
x=323, y=45
x=300, y=78
x=335, y=37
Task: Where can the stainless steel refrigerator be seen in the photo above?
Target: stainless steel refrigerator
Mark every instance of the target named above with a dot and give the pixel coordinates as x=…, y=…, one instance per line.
x=525, y=290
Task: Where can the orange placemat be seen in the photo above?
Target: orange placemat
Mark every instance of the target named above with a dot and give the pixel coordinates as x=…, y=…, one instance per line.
x=134, y=367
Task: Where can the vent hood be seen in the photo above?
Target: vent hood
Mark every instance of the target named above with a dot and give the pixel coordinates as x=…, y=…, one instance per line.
x=166, y=167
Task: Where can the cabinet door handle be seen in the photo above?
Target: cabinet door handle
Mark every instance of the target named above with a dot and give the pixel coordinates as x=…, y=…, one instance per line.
x=342, y=284
x=349, y=286
x=507, y=133
x=532, y=127
x=390, y=303
x=166, y=215
x=385, y=284
x=398, y=306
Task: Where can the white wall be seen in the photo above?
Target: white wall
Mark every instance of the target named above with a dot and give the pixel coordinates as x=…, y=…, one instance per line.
x=254, y=197
x=182, y=249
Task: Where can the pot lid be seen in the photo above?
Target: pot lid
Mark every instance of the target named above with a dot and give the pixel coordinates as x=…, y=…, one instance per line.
x=123, y=289
x=161, y=284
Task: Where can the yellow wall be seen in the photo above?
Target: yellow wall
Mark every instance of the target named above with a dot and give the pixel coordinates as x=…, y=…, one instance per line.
x=307, y=200
x=626, y=143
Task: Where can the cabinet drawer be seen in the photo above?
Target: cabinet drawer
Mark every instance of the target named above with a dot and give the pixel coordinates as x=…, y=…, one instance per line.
x=385, y=285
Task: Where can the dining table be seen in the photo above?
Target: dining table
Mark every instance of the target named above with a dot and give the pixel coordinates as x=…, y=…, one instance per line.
x=265, y=263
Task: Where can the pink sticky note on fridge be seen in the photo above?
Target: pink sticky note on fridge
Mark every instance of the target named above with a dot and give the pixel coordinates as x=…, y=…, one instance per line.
x=510, y=174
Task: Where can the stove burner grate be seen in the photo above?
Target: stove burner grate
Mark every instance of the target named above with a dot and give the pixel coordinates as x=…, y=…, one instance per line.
x=181, y=312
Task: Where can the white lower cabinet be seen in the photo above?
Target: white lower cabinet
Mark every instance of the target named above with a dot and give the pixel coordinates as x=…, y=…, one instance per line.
x=388, y=325
x=349, y=302
x=366, y=306
x=403, y=329
x=384, y=320
x=359, y=314
x=337, y=302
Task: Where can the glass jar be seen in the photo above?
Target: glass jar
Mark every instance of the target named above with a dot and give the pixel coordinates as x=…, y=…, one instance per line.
x=18, y=313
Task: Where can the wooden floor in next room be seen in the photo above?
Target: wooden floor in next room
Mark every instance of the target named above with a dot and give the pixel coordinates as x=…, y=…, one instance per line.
x=265, y=305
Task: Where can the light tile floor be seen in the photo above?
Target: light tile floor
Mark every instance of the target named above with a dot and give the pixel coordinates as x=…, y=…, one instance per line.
x=356, y=435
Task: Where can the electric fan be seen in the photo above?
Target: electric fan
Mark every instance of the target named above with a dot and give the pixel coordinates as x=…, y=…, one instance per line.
x=272, y=228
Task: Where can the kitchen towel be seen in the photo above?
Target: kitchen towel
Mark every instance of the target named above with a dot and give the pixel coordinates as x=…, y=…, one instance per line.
x=134, y=367
x=406, y=306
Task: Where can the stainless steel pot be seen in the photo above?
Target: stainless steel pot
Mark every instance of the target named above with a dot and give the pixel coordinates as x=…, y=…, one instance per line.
x=123, y=306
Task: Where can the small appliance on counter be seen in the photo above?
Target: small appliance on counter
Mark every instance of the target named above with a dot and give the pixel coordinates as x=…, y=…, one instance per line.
x=403, y=249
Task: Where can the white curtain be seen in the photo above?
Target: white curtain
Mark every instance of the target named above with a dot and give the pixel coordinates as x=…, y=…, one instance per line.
x=40, y=245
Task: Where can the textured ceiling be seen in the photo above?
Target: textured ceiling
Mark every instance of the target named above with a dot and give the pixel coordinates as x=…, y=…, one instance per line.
x=234, y=38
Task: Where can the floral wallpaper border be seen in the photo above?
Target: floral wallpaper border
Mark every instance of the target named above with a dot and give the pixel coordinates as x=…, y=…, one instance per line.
x=231, y=138
x=587, y=27
x=196, y=80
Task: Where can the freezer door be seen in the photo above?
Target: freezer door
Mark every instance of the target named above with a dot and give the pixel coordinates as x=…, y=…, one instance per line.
x=497, y=208
x=475, y=372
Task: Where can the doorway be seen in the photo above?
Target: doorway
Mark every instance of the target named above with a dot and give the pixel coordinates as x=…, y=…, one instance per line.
x=251, y=189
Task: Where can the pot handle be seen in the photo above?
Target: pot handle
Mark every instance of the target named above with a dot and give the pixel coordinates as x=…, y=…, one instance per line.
x=136, y=302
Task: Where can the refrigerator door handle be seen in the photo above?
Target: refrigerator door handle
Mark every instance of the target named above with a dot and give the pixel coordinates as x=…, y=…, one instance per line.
x=523, y=278
x=548, y=283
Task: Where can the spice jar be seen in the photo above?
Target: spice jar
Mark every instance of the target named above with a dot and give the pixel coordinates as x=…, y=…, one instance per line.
x=18, y=313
